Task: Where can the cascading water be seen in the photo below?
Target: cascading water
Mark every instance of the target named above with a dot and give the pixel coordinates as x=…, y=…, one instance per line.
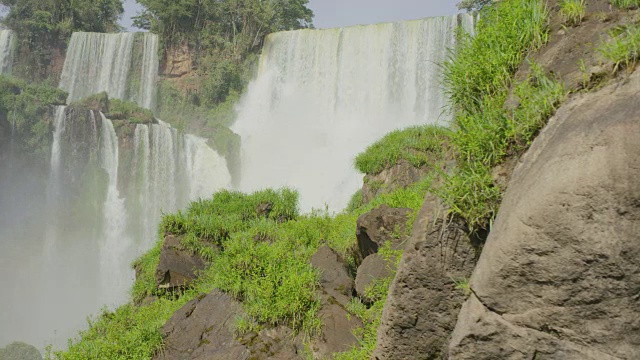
x=115, y=243
x=99, y=62
x=322, y=96
x=106, y=190
x=7, y=45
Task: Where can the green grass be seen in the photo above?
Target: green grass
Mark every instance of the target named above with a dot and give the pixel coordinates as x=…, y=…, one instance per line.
x=626, y=4
x=477, y=77
x=419, y=145
x=573, y=11
x=624, y=47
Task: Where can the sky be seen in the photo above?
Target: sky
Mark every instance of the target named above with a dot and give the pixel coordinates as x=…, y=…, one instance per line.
x=338, y=13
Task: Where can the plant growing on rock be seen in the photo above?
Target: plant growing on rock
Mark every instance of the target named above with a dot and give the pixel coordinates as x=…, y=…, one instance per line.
x=573, y=11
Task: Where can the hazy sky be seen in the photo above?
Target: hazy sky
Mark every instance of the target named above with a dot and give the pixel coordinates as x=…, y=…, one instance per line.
x=334, y=13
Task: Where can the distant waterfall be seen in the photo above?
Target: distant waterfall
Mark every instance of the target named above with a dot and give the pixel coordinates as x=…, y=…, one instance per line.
x=322, y=96
x=176, y=169
x=124, y=65
x=7, y=46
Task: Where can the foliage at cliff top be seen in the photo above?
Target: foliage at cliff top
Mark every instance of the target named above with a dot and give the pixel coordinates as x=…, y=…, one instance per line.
x=26, y=108
x=116, y=109
x=419, y=145
x=224, y=38
x=45, y=24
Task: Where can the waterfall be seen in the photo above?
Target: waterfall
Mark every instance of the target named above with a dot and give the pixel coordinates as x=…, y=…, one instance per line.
x=124, y=65
x=322, y=96
x=7, y=45
x=115, y=243
x=175, y=169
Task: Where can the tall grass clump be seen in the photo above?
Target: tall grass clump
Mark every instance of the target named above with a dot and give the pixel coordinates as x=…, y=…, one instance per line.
x=419, y=145
x=477, y=77
x=573, y=11
x=624, y=47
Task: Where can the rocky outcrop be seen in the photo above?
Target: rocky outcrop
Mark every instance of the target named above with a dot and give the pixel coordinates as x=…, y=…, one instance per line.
x=373, y=268
x=337, y=287
x=334, y=276
x=178, y=266
x=204, y=328
x=560, y=272
x=423, y=301
x=395, y=177
x=380, y=225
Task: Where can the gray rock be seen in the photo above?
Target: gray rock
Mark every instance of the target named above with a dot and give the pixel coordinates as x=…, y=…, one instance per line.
x=560, y=272
x=204, y=329
x=337, y=331
x=373, y=268
x=396, y=177
x=423, y=301
x=334, y=276
x=178, y=266
x=380, y=225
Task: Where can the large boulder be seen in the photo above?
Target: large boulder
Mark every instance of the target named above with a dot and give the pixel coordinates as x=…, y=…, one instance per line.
x=424, y=301
x=204, y=328
x=337, y=331
x=374, y=267
x=334, y=276
x=559, y=276
x=178, y=266
x=380, y=225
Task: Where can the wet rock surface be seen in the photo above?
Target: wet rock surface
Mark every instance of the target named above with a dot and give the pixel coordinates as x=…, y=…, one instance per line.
x=178, y=266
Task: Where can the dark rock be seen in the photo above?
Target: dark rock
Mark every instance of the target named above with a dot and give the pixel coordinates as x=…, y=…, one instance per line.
x=560, y=272
x=334, y=276
x=423, y=301
x=264, y=209
x=380, y=225
x=398, y=176
x=373, y=268
x=337, y=331
x=177, y=266
x=204, y=329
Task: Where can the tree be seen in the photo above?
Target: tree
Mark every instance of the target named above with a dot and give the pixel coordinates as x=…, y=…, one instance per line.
x=43, y=25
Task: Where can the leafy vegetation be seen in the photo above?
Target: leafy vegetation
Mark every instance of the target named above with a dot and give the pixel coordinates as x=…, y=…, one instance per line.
x=27, y=110
x=626, y=4
x=224, y=38
x=478, y=77
x=45, y=25
x=573, y=11
x=624, y=47
x=419, y=145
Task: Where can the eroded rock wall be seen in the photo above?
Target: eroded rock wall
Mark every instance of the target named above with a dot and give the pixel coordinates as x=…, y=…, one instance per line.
x=559, y=277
